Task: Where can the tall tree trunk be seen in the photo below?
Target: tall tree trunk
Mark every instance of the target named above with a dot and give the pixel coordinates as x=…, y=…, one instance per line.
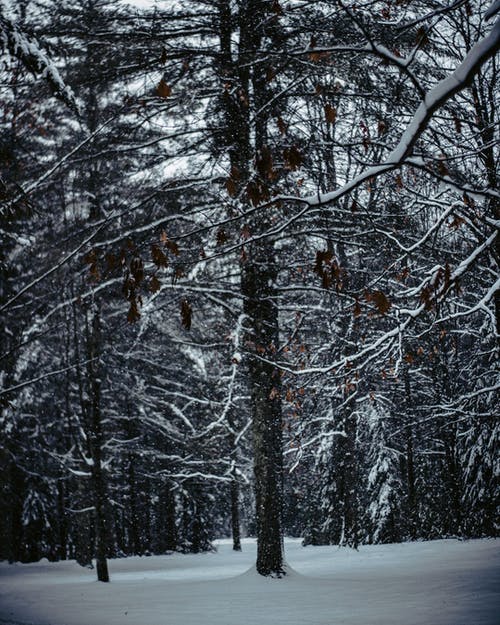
x=171, y=540
x=235, y=514
x=258, y=270
x=410, y=460
x=96, y=448
x=348, y=480
x=135, y=545
x=62, y=521
x=265, y=386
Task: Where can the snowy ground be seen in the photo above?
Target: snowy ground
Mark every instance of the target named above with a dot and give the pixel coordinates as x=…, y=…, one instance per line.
x=444, y=582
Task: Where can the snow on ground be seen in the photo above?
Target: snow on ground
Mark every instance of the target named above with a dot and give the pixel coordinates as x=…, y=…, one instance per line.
x=443, y=582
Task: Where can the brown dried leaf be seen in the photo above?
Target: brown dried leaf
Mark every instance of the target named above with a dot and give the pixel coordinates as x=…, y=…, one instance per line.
x=380, y=301
x=330, y=114
x=222, y=237
x=94, y=272
x=112, y=261
x=257, y=192
x=276, y=7
x=186, y=314
x=172, y=247
x=282, y=126
x=293, y=157
x=381, y=127
x=133, y=313
x=159, y=258
x=90, y=257
x=245, y=232
x=163, y=90
x=264, y=163
x=231, y=187
x=137, y=269
x=154, y=285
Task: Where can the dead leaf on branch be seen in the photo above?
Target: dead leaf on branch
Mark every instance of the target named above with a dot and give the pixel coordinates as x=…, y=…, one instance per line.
x=137, y=269
x=186, y=314
x=329, y=270
x=276, y=7
x=366, y=135
x=330, y=114
x=231, y=187
x=264, y=163
x=154, y=285
x=381, y=127
x=257, y=192
x=282, y=125
x=293, y=157
x=379, y=300
x=159, y=258
x=222, y=237
x=163, y=90
x=245, y=232
x=172, y=247
x=133, y=313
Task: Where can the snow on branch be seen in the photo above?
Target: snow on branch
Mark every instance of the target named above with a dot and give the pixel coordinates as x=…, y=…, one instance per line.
x=27, y=49
x=437, y=97
x=493, y=10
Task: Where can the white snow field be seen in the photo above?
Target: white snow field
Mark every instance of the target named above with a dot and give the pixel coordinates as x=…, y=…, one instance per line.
x=443, y=582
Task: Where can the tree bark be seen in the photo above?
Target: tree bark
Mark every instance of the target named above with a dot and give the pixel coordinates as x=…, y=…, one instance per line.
x=265, y=386
x=96, y=449
x=410, y=459
x=171, y=542
x=235, y=514
x=258, y=270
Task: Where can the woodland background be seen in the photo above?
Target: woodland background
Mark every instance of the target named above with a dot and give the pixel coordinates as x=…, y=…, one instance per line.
x=192, y=327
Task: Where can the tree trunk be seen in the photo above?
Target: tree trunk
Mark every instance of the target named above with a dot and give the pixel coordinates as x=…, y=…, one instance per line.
x=235, y=514
x=258, y=270
x=265, y=388
x=135, y=543
x=348, y=486
x=96, y=449
x=410, y=461
x=62, y=521
x=171, y=542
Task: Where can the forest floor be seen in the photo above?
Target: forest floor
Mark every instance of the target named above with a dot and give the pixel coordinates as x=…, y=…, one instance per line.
x=442, y=582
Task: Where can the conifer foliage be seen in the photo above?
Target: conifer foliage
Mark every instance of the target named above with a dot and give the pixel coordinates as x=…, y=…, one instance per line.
x=248, y=275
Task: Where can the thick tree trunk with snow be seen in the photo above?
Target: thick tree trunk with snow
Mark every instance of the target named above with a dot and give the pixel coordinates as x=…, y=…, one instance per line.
x=410, y=459
x=348, y=480
x=98, y=480
x=259, y=293
x=246, y=139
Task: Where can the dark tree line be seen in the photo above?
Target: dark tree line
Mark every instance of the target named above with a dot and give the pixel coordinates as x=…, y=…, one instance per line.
x=248, y=275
